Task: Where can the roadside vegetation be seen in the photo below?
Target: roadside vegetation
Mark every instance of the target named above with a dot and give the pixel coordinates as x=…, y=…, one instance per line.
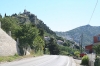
x=85, y=60
x=9, y=58
x=97, y=51
x=13, y=58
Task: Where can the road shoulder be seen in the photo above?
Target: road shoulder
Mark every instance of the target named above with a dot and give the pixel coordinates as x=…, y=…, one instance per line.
x=78, y=62
x=75, y=62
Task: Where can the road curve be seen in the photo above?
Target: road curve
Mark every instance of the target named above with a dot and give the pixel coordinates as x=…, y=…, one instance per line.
x=46, y=60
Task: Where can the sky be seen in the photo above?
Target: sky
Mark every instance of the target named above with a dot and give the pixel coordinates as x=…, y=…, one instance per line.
x=58, y=15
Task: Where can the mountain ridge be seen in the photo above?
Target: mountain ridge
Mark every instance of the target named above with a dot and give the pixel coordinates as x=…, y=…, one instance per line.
x=88, y=32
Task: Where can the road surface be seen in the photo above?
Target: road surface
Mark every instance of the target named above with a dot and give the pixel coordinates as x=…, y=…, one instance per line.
x=46, y=60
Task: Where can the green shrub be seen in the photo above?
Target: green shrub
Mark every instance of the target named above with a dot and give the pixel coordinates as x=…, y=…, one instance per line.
x=1, y=59
x=47, y=51
x=10, y=59
x=64, y=53
x=97, y=62
x=85, y=60
x=16, y=55
x=77, y=53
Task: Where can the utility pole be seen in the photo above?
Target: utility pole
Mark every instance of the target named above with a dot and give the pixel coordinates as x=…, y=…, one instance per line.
x=81, y=41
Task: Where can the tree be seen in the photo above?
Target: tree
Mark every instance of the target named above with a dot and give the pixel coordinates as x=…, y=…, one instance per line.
x=10, y=24
x=0, y=16
x=5, y=15
x=41, y=33
x=64, y=44
x=26, y=35
x=38, y=43
x=53, y=47
x=14, y=15
x=97, y=49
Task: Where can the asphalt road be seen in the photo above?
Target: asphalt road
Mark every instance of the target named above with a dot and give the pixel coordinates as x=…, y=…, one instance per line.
x=46, y=60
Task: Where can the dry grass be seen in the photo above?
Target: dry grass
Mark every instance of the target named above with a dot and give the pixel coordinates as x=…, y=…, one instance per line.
x=13, y=58
x=17, y=57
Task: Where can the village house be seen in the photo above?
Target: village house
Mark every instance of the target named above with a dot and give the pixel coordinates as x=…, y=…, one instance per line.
x=60, y=42
x=96, y=41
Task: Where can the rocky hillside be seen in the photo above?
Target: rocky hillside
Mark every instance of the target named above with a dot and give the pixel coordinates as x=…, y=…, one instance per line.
x=27, y=17
x=88, y=32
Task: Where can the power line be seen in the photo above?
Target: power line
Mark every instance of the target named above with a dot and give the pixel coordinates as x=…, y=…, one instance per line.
x=93, y=11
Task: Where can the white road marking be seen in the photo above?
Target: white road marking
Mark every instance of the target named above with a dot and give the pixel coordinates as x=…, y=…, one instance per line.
x=68, y=62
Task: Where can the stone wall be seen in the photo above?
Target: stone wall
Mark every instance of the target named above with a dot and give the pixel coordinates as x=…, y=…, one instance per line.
x=8, y=45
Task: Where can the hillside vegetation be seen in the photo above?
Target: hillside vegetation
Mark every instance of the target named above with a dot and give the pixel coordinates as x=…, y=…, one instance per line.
x=31, y=32
x=75, y=34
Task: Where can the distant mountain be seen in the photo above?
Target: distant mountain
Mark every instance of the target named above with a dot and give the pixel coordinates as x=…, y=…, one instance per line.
x=87, y=31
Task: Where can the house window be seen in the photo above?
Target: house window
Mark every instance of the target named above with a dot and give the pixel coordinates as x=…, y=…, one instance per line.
x=98, y=38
